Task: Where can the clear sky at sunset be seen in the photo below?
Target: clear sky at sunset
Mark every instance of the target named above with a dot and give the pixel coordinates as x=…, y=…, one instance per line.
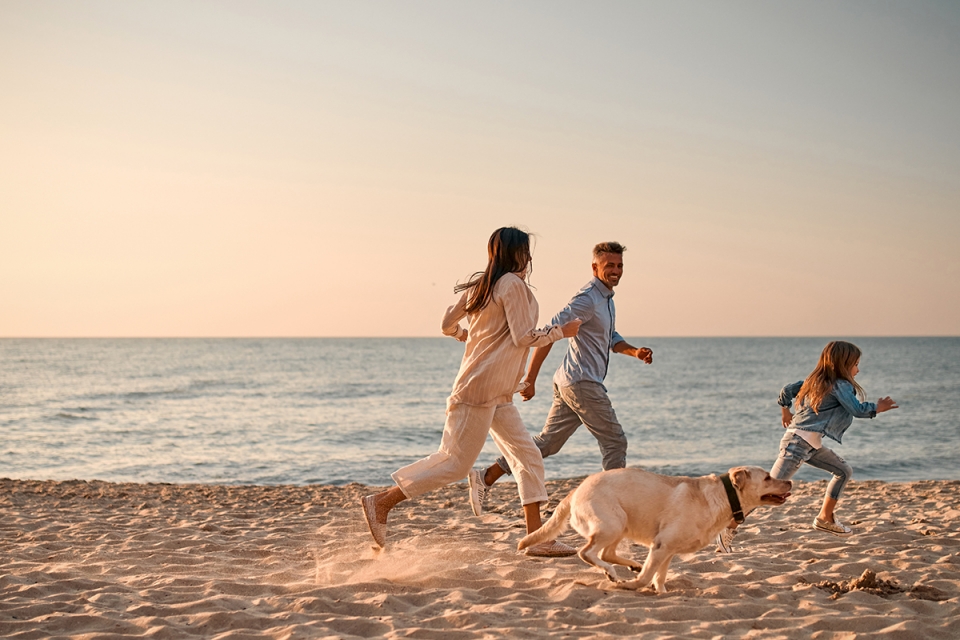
x=334, y=168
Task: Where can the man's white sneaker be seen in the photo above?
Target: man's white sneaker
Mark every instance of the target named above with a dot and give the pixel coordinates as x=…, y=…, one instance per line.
x=725, y=540
x=478, y=490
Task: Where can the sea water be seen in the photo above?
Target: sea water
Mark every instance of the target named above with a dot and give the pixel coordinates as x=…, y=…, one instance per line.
x=303, y=411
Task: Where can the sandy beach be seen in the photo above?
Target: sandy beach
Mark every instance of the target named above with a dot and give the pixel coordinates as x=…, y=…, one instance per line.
x=103, y=560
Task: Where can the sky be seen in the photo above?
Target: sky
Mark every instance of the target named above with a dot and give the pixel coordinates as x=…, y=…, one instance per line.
x=334, y=169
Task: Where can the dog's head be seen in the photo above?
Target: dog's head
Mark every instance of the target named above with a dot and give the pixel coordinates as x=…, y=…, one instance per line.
x=755, y=487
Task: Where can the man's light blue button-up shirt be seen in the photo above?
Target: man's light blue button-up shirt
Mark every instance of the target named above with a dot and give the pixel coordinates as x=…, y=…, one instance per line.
x=588, y=352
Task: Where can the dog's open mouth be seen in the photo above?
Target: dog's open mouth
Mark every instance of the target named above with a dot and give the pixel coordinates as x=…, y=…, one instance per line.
x=775, y=498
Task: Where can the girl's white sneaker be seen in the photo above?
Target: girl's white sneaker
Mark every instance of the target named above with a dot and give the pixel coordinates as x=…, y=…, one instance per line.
x=836, y=527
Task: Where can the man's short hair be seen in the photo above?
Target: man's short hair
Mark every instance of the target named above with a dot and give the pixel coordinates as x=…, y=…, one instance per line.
x=608, y=247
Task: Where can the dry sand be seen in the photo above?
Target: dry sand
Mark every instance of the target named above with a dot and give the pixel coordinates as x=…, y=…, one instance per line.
x=101, y=560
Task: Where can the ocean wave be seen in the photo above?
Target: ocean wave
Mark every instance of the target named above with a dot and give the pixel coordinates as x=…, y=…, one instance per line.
x=66, y=415
x=349, y=392
x=907, y=469
x=158, y=393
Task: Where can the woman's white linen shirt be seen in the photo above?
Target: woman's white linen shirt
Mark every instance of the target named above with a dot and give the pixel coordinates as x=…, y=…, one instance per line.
x=499, y=339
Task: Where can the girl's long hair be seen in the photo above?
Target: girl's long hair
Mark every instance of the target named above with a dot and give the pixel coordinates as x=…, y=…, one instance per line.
x=836, y=363
x=508, y=251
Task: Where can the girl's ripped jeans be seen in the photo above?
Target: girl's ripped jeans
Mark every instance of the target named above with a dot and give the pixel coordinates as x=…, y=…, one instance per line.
x=794, y=451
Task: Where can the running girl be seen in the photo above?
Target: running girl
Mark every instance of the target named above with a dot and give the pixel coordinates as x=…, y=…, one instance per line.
x=826, y=404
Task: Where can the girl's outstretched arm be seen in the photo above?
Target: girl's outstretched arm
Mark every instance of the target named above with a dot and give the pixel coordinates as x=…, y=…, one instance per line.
x=847, y=397
x=886, y=403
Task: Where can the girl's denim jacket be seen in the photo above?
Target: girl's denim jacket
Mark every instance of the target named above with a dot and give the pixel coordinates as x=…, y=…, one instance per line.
x=836, y=413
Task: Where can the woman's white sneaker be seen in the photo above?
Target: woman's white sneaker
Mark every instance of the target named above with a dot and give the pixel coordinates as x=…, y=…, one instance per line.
x=551, y=549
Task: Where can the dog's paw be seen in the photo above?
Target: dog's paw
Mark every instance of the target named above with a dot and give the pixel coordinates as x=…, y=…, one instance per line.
x=631, y=585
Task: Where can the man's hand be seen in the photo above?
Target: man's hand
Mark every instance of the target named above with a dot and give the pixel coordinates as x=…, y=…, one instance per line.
x=886, y=403
x=785, y=417
x=571, y=328
x=528, y=391
x=640, y=353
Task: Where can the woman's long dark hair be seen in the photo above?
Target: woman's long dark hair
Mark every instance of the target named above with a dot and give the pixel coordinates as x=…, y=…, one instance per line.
x=508, y=251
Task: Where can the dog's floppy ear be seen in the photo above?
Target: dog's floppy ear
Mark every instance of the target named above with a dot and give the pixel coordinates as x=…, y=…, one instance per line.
x=739, y=477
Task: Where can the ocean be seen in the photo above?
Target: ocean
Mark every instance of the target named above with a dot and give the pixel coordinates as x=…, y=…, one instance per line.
x=334, y=411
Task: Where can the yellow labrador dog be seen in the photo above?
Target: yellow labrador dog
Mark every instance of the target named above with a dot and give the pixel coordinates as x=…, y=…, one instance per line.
x=670, y=514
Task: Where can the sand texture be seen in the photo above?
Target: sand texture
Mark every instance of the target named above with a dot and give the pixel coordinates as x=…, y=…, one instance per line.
x=103, y=560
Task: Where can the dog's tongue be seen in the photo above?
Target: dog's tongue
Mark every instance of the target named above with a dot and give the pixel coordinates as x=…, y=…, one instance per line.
x=779, y=497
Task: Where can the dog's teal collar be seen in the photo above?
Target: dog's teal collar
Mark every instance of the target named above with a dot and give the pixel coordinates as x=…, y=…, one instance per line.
x=733, y=498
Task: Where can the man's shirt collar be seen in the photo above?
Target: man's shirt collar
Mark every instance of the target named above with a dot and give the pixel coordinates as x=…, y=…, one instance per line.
x=604, y=290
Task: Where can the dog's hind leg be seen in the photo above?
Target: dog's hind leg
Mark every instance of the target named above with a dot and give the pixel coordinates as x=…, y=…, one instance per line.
x=609, y=554
x=588, y=553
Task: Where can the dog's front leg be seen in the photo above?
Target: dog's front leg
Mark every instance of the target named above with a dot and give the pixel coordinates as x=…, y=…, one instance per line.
x=660, y=580
x=657, y=560
x=647, y=573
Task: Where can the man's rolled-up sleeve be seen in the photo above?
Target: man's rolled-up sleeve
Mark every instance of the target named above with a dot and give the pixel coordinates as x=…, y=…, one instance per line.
x=581, y=306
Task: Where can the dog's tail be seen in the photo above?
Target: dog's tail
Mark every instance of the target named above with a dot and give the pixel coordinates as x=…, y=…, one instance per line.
x=556, y=525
